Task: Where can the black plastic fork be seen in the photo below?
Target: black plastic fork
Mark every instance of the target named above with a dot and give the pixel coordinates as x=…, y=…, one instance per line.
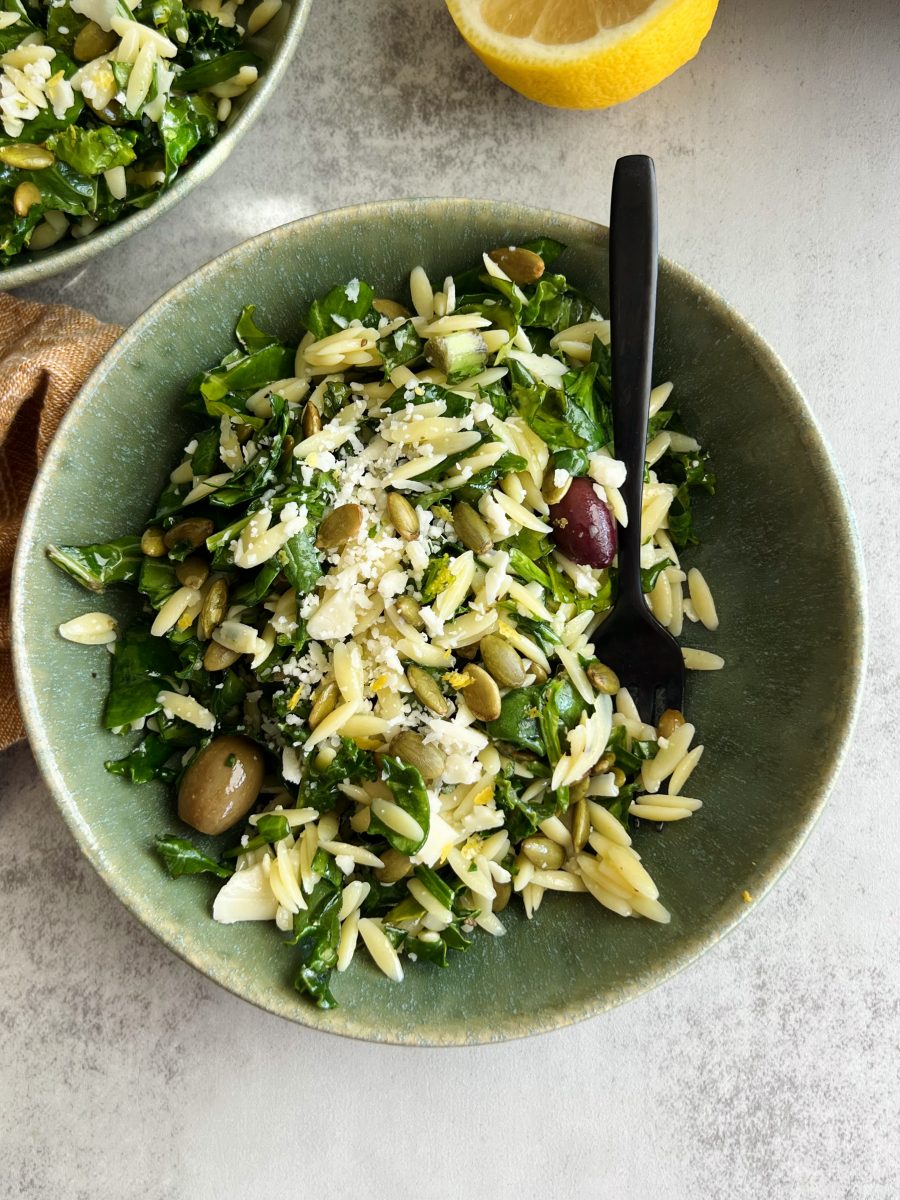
x=644, y=655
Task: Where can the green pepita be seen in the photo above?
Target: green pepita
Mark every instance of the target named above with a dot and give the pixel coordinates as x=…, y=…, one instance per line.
x=482, y=695
x=409, y=611
x=604, y=764
x=412, y=749
x=218, y=658
x=390, y=309
x=324, y=703
x=215, y=605
x=26, y=156
x=312, y=420
x=551, y=492
x=603, y=678
x=581, y=825
x=341, y=524
x=427, y=691
x=26, y=195
x=192, y=532
x=403, y=516
x=502, y=894
x=501, y=661
x=471, y=529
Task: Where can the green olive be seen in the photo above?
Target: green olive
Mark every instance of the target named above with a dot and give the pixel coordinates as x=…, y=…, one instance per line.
x=152, y=543
x=396, y=866
x=221, y=784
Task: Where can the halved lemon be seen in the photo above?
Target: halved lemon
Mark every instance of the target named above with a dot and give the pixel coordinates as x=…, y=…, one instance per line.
x=583, y=53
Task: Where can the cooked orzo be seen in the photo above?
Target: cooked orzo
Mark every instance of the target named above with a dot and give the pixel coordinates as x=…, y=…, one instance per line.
x=364, y=653
x=103, y=102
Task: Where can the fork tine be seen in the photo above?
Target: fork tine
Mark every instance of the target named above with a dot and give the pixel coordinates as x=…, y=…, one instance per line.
x=673, y=692
x=644, y=701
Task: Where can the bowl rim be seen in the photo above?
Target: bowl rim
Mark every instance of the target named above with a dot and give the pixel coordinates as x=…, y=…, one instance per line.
x=516, y=1026
x=74, y=253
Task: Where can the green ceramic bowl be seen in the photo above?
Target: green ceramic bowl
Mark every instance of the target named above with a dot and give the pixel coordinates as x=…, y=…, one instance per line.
x=275, y=45
x=779, y=548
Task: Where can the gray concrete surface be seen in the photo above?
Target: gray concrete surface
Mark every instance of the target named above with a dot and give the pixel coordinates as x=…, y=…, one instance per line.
x=770, y=1069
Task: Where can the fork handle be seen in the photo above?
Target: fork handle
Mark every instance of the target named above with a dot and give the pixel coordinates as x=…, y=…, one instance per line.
x=633, y=256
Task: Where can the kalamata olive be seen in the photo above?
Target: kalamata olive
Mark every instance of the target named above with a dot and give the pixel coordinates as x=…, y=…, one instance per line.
x=221, y=784
x=583, y=527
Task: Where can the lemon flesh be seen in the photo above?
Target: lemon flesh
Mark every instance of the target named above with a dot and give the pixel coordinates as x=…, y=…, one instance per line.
x=583, y=53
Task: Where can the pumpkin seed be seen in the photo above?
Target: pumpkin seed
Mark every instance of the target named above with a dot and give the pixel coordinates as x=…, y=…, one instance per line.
x=312, y=420
x=287, y=451
x=152, y=543
x=427, y=691
x=403, y=516
x=502, y=893
x=669, y=722
x=111, y=114
x=467, y=653
x=193, y=532
x=521, y=265
x=412, y=749
x=618, y=777
x=25, y=196
x=396, y=866
x=243, y=433
x=579, y=789
x=92, y=41
x=26, y=156
x=540, y=675
x=471, y=529
x=192, y=572
x=341, y=524
x=213, y=611
x=482, y=695
x=390, y=309
x=581, y=825
x=604, y=764
x=218, y=658
x=325, y=701
x=409, y=611
x=544, y=853
x=549, y=490
x=502, y=661
x=603, y=678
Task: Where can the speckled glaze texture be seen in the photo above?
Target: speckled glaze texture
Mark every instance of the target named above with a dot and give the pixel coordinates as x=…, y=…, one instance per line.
x=779, y=549
x=275, y=44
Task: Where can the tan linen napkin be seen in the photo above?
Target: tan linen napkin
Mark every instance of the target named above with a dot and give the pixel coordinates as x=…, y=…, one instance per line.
x=46, y=353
